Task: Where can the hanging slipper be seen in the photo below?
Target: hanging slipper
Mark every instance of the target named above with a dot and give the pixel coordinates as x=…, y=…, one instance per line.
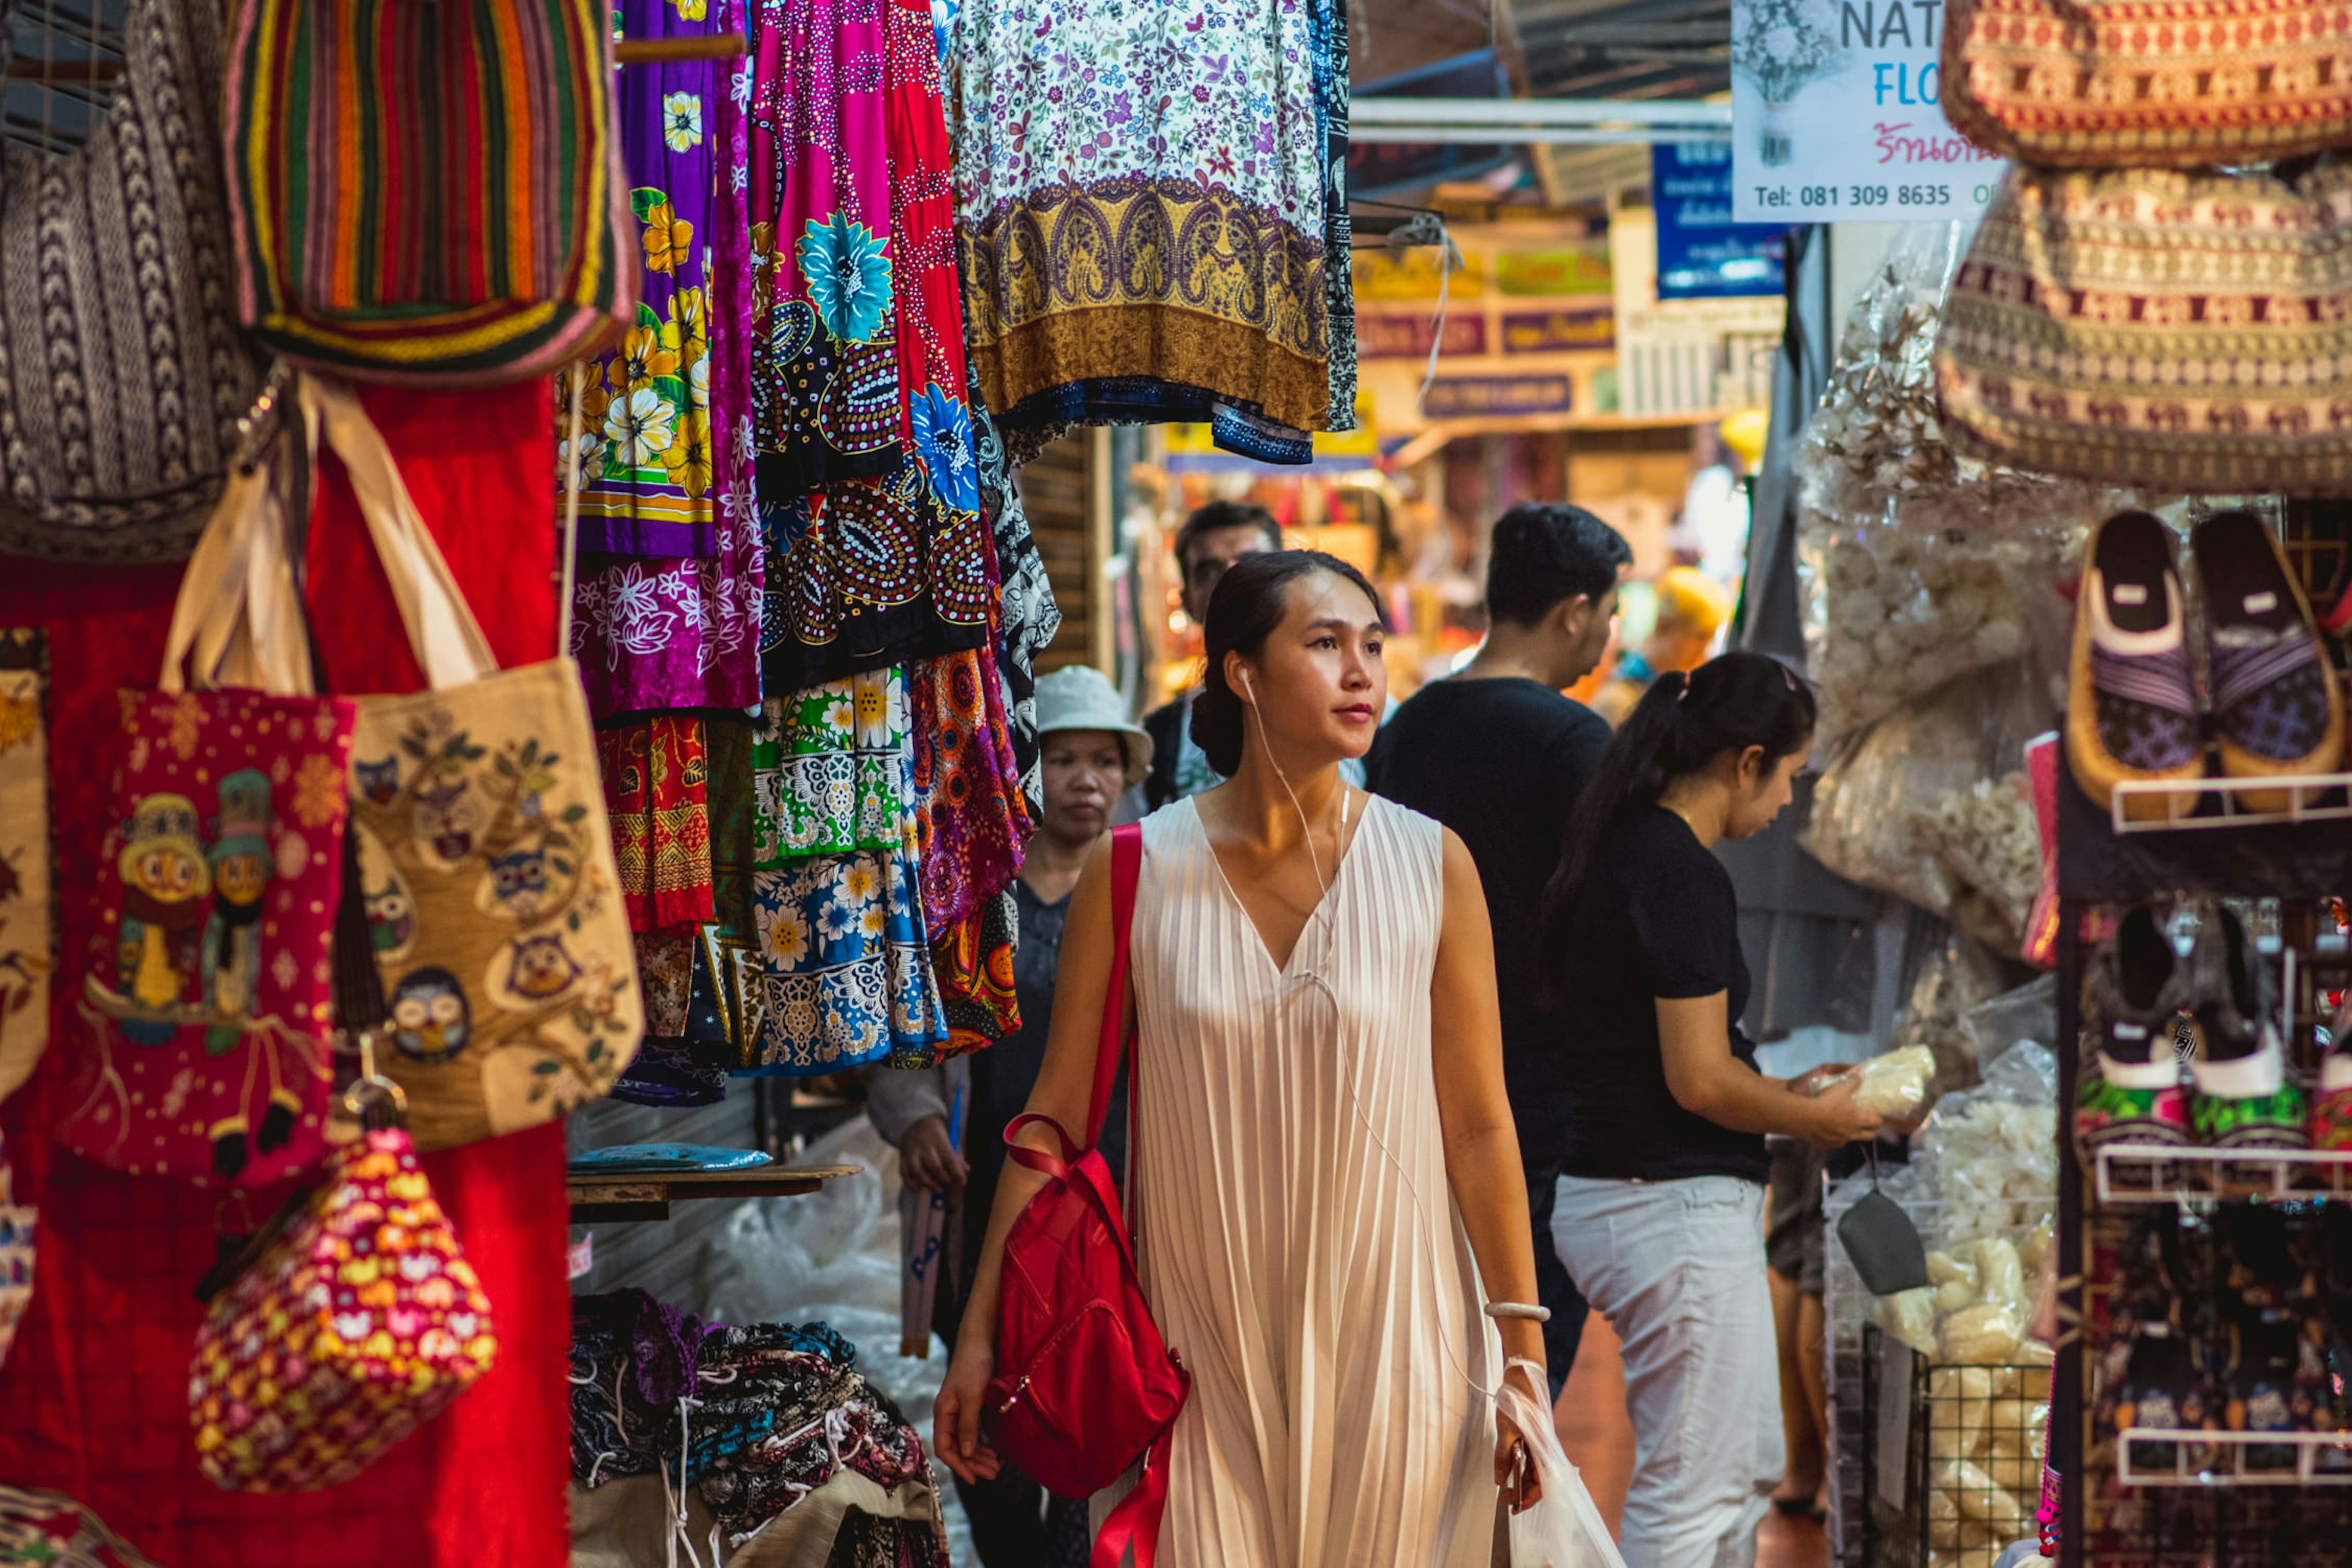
x=2275, y=701
x=2131, y=710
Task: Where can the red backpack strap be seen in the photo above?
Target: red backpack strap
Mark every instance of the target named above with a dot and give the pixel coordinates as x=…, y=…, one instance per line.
x=1113, y=1047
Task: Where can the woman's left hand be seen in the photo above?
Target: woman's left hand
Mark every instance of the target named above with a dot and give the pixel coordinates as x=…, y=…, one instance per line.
x=1515, y=1467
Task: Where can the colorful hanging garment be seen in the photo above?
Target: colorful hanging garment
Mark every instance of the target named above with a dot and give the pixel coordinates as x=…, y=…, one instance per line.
x=972, y=819
x=1330, y=21
x=650, y=628
x=973, y=962
x=665, y=975
x=846, y=970
x=655, y=776
x=1142, y=219
x=826, y=766
x=1026, y=615
x=826, y=395
x=649, y=469
x=843, y=973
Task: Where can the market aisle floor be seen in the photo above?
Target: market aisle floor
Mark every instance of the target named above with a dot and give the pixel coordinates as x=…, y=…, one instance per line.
x=1600, y=1442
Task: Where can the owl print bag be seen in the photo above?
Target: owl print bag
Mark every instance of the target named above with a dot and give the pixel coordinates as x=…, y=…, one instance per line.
x=494, y=906
x=202, y=1016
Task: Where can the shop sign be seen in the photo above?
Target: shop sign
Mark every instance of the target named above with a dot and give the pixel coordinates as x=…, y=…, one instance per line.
x=1386, y=336
x=1569, y=269
x=1570, y=330
x=1837, y=114
x=1702, y=253
x=1477, y=396
x=1382, y=275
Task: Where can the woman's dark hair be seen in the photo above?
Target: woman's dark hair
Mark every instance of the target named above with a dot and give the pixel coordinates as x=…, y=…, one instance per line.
x=1250, y=601
x=1683, y=724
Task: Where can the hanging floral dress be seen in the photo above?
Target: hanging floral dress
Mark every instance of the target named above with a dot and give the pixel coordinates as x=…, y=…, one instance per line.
x=843, y=972
x=1143, y=216
x=666, y=605
x=869, y=489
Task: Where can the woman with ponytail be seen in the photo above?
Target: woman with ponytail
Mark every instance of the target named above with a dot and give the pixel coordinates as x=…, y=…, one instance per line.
x=1325, y=1170
x=1659, y=1214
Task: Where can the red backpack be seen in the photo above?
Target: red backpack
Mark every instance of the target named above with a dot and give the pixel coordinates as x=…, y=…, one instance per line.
x=1085, y=1384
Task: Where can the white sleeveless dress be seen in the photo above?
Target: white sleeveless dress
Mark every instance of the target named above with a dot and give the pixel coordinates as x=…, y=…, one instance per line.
x=1327, y=1318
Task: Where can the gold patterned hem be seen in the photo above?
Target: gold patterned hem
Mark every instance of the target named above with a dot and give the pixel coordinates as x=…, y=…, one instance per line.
x=1162, y=342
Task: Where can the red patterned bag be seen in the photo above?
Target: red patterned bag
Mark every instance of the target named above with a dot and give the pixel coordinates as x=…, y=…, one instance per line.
x=359, y=1322
x=207, y=1002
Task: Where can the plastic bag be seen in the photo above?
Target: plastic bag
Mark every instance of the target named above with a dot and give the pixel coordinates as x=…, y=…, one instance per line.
x=1895, y=1084
x=1900, y=808
x=1565, y=1529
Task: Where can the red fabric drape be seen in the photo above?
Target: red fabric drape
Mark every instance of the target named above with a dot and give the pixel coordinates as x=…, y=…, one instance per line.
x=93, y=1401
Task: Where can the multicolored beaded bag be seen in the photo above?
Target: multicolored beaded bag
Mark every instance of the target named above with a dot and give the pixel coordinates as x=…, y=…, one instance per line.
x=360, y=1321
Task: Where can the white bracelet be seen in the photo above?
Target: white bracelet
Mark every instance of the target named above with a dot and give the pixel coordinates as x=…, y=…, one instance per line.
x=1518, y=1310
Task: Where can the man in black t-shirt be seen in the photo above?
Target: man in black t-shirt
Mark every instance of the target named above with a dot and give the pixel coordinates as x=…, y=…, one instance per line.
x=1498, y=755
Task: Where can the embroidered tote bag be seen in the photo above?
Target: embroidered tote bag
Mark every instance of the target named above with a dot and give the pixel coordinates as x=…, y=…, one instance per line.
x=205, y=1005
x=122, y=373
x=55, y=1531
x=493, y=902
x=2106, y=84
x=24, y=912
x=2150, y=328
x=360, y=1321
x=428, y=193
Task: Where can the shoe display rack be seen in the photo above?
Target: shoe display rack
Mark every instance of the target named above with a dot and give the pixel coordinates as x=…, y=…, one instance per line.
x=2227, y=1452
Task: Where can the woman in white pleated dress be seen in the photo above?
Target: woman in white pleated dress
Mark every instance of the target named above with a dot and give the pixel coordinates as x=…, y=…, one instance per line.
x=1325, y=1164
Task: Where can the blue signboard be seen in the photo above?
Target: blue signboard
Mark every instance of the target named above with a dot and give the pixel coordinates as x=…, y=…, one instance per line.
x=1702, y=253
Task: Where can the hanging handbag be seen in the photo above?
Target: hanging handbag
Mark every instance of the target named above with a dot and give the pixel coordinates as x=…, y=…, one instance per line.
x=494, y=906
x=2183, y=84
x=1085, y=1384
x=428, y=193
x=207, y=1001
x=123, y=375
x=2158, y=329
x=49, y=1530
x=359, y=1321
x=25, y=958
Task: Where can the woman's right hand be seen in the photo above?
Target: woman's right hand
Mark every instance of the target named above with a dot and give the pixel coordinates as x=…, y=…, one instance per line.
x=1832, y=1118
x=955, y=1417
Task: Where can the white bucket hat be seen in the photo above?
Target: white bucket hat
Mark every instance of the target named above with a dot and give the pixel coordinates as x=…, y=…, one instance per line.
x=1080, y=697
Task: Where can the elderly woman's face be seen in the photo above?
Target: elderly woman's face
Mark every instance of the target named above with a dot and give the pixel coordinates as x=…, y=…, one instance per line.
x=1083, y=771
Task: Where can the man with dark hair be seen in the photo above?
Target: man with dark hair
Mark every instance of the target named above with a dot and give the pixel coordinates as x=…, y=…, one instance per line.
x=1211, y=539
x=1498, y=755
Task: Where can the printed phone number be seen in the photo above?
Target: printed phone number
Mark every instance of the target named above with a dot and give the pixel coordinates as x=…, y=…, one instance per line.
x=1875, y=196
x=1848, y=197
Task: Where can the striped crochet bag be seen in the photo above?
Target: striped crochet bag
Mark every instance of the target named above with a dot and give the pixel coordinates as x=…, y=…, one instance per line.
x=429, y=194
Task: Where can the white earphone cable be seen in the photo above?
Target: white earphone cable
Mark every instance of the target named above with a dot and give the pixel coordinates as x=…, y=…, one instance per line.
x=1328, y=916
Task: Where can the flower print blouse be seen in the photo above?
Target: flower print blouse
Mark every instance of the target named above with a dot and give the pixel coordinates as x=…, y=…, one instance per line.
x=1142, y=209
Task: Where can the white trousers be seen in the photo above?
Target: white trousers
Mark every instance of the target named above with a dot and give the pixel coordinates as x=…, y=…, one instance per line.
x=1678, y=1267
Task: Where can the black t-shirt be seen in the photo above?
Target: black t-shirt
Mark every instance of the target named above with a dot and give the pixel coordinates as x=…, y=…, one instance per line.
x=1500, y=762
x=1657, y=918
